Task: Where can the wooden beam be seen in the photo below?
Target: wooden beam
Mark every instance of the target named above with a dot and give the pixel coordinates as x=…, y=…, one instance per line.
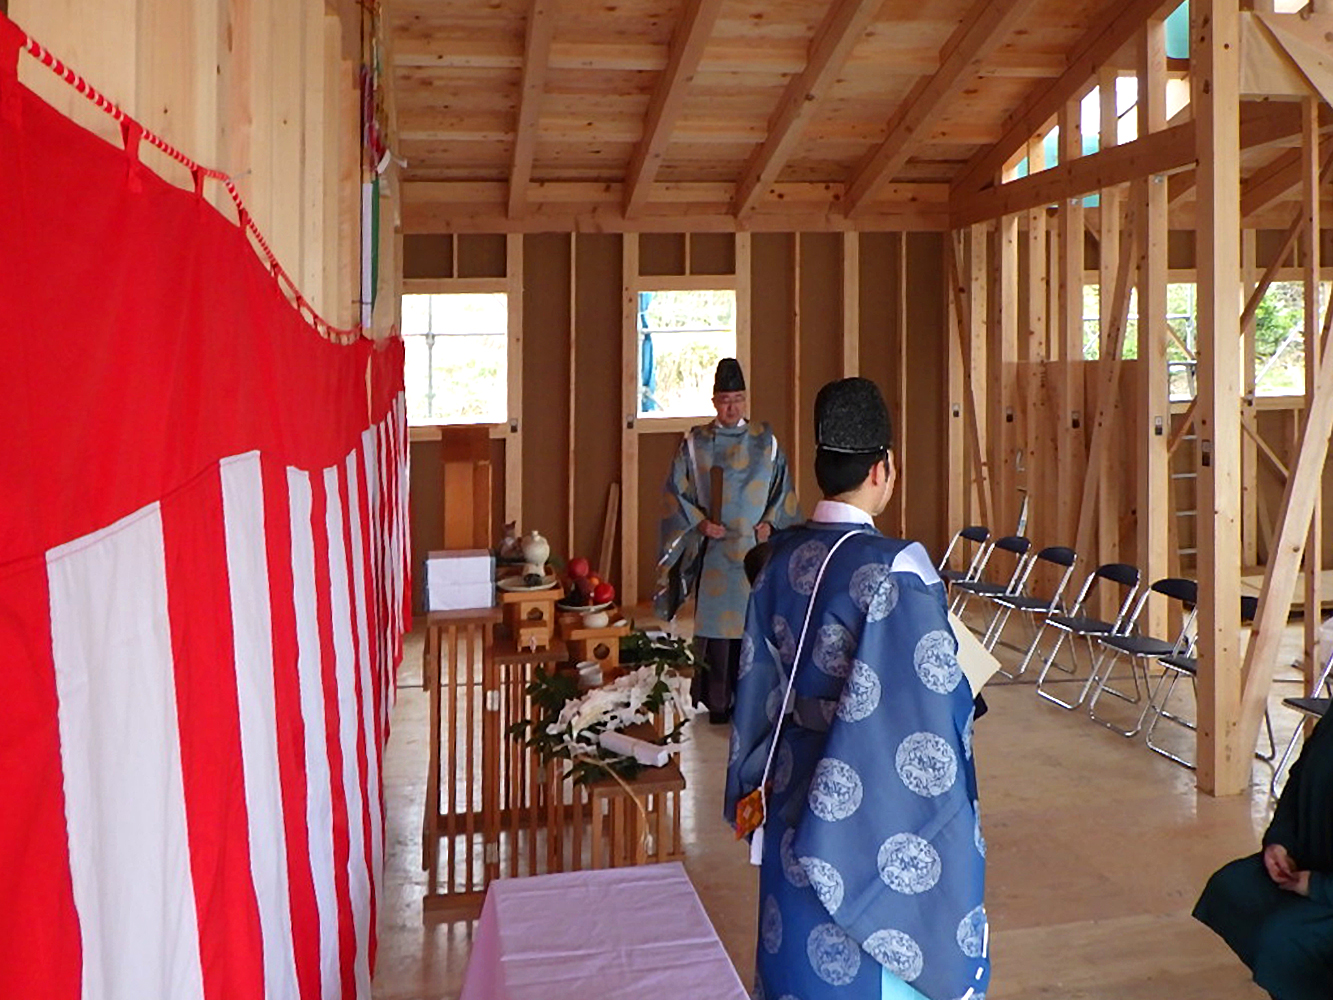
x=1094, y=49
x=1070, y=388
x=1160, y=153
x=1150, y=196
x=985, y=27
x=842, y=27
x=1002, y=376
x=1108, y=398
x=971, y=418
x=1273, y=180
x=687, y=46
x=536, y=62
x=1223, y=760
x=1279, y=586
x=1314, y=346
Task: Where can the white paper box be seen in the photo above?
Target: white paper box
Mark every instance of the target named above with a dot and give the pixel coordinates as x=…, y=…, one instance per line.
x=460, y=579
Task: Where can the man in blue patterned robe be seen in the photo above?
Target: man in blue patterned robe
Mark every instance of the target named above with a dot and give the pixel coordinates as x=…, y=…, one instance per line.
x=701, y=553
x=873, y=863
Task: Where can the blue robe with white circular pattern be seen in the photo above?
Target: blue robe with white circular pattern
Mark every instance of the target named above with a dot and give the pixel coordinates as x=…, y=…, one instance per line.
x=874, y=862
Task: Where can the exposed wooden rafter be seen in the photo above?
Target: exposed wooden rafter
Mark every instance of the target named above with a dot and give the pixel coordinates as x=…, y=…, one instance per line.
x=986, y=26
x=1095, y=48
x=1160, y=153
x=687, y=47
x=536, y=62
x=842, y=27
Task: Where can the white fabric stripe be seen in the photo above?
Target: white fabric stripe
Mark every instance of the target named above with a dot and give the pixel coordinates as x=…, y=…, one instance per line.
x=345, y=671
x=371, y=438
x=372, y=789
x=120, y=752
x=319, y=802
x=252, y=629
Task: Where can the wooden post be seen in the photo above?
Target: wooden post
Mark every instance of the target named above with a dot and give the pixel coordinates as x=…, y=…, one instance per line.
x=975, y=454
x=514, y=437
x=1314, y=545
x=1223, y=758
x=956, y=482
x=851, y=304
x=1154, y=484
x=1035, y=351
x=1073, y=455
x=629, y=435
x=983, y=470
x=1108, y=498
x=1249, y=456
x=1004, y=376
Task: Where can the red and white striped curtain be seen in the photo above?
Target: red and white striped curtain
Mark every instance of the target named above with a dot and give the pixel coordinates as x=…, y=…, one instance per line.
x=202, y=594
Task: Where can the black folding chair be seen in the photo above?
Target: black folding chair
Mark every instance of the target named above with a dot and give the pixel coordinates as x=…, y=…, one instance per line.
x=1181, y=663
x=1018, y=547
x=1031, y=606
x=1312, y=705
x=1078, y=624
x=974, y=534
x=1140, y=650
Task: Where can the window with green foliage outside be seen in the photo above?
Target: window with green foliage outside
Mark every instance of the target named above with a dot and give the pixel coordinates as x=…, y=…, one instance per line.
x=457, y=365
x=1279, y=336
x=682, y=336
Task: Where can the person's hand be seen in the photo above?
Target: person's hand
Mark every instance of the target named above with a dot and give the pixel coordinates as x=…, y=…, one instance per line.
x=712, y=529
x=1281, y=868
x=761, y=531
x=1299, y=883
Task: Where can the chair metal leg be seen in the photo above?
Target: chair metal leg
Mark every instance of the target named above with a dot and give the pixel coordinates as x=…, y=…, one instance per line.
x=996, y=627
x=1037, y=630
x=1160, y=713
x=1073, y=655
x=1281, y=766
x=1103, y=687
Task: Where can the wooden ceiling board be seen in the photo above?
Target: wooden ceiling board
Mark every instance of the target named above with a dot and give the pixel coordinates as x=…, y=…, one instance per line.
x=458, y=72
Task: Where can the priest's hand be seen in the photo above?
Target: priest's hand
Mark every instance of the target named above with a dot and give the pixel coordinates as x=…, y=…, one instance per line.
x=1281, y=869
x=712, y=529
x=761, y=531
x=1299, y=883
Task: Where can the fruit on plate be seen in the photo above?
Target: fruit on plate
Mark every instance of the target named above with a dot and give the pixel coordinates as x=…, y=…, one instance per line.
x=578, y=568
x=603, y=593
x=593, y=580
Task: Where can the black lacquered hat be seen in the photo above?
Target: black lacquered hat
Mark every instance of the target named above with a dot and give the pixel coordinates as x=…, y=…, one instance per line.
x=851, y=418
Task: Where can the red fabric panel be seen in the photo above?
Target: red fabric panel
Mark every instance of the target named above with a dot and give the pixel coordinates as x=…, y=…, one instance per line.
x=360, y=647
x=291, y=729
x=40, y=947
x=208, y=713
x=342, y=847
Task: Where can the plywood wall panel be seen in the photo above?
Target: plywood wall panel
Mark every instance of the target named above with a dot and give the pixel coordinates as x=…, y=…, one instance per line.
x=597, y=397
x=662, y=253
x=772, y=366
x=428, y=255
x=879, y=294
x=426, y=497
x=546, y=270
x=820, y=361
x=926, y=390
x=712, y=253
x=482, y=255
x=655, y=454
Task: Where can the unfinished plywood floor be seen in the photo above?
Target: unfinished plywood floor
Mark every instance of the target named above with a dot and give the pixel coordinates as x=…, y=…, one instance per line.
x=1097, y=850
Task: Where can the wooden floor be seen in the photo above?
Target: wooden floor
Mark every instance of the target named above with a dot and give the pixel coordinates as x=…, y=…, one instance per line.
x=1097, y=851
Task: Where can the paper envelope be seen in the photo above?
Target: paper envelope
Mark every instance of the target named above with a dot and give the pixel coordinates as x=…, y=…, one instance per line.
x=977, y=662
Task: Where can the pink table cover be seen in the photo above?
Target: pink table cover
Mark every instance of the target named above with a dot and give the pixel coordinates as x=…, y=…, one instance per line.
x=616, y=934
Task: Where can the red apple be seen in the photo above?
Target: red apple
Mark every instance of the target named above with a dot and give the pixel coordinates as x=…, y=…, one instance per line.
x=578, y=567
x=603, y=593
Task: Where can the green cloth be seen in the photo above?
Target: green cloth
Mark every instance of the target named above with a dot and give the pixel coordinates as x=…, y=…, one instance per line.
x=1285, y=939
x=756, y=487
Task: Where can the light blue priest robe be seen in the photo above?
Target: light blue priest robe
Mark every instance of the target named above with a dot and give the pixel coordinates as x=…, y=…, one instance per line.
x=756, y=487
x=873, y=868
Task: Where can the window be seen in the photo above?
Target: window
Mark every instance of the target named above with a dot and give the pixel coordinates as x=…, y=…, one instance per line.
x=682, y=337
x=457, y=358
